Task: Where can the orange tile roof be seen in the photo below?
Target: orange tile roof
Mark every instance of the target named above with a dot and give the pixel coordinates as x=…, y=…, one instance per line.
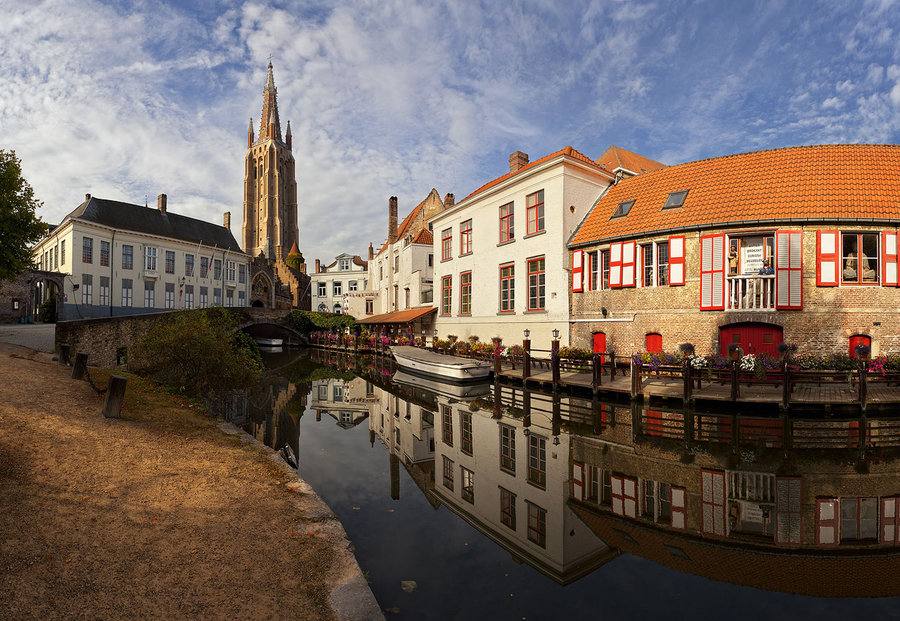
x=404, y=316
x=617, y=157
x=424, y=237
x=812, y=182
x=407, y=222
x=569, y=151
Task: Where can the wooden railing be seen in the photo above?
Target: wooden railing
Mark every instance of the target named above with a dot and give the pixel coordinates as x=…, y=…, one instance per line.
x=753, y=293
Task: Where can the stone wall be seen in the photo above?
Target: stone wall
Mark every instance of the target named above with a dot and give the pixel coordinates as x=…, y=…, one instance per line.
x=14, y=290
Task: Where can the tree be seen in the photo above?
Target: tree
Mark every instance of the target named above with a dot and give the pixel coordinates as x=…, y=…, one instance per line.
x=19, y=225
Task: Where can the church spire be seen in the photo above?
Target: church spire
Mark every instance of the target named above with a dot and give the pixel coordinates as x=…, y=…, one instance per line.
x=250, y=133
x=287, y=135
x=270, y=109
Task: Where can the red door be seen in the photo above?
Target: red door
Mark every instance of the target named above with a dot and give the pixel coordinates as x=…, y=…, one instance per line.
x=752, y=338
x=600, y=344
x=859, y=339
x=654, y=342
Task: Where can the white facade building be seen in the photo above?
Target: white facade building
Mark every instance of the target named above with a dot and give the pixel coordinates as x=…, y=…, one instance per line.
x=501, y=264
x=341, y=286
x=122, y=259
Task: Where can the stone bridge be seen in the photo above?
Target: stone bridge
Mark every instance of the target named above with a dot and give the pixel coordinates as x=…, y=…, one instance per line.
x=107, y=340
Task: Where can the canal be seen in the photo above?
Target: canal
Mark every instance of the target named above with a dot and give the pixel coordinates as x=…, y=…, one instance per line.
x=466, y=504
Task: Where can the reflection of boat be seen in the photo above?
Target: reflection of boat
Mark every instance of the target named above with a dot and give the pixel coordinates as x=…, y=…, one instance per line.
x=447, y=368
x=263, y=342
x=446, y=389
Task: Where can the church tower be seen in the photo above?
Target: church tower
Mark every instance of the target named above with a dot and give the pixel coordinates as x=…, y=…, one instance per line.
x=270, y=186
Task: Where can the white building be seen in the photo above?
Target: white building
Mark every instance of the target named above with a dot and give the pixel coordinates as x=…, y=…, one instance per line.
x=341, y=286
x=501, y=264
x=122, y=259
x=349, y=402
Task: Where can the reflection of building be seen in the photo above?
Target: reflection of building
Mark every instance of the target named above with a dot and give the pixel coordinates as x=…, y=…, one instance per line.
x=341, y=286
x=349, y=402
x=710, y=498
x=711, y=253
x=505, y=471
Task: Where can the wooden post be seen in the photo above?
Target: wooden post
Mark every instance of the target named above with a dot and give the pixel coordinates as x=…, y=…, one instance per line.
x=787, y=437
x=635, y=381
x=687, y=380
x=496, y=366
x=863, y=429
x=735, y=389
x=597, y=410
x=636, y=412
x=735, y=432
x=612, y=365
x=863, y=388
x=64, y=354
x=115, y=396
x=526, y=407
x=556, y=420
x=80, y=366
x=554, y=363
x=597, y=368
x=526, y=360
x=688, y=418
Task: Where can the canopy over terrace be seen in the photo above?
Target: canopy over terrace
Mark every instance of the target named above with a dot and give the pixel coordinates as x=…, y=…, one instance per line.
x=413, y=321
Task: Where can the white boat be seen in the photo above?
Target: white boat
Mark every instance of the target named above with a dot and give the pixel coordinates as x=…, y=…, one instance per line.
x=447, y=368
x=453, y=390
x=269, y=342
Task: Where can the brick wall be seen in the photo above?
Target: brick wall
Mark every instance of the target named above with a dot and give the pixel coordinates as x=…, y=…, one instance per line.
x=10, y=290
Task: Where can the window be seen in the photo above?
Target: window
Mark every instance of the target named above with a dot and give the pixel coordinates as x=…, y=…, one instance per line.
x=507, y=508
x=87, y=250
x=217, y=297
x=536, y=284
x=322, y=392
x=104, y=290
x=859, y=519
x=465, y=237
x=446, y=293
x=242, y=298
x=465, y=430
x=204, y=297
x=62, y=253
x=230, y=271
x=188, y=265
x=337, y=288
x=604, y=271
x=170, y=262
x=446, y=243
x=396, y=263
x=149, y=294
x=465, y=293
x=370, y=307
x=468, y=484
x=448, y=473
x=322, y=289
x=229, y=298
x=537, y=524
x=622, y=209
x=662, y=263
x=170, y=295
x=860, y=254
x=647, y=265
x=104, y=253
x=344, y=264
x=430, y=260
x=675, y=199
x=242, y=273
x=127, y=292
x=534, y=213
x=204, y=267
x=446, y=425
x=507, y=288
x=507, y=448
x=380, y=272
x=87, y=289
x=150, y=259
x=507, y=223
x=217, y=269
x=406, y=292
x=396, y=295
x=537, y=460
x=338, y=393
x=189, y=296
x=351, y=286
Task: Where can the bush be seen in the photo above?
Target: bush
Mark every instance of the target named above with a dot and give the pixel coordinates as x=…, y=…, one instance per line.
x=47, y=310
x=575, y=353
x=305, y=322
x=198, y=352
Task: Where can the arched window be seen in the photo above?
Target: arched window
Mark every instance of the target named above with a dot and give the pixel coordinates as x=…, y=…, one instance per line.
x=323, y=308
x=859, y=339
x=337, y=308
x=654, y=342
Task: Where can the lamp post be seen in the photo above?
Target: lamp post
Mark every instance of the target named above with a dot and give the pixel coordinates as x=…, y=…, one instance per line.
x=526, y=356
x=554, y=358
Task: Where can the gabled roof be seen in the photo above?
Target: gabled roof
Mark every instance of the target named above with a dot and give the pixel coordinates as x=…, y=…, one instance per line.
x=569, y=151
x=424, y=237
x=152, y=221
x=816, y=183
x=615, y=158
x=404, y=227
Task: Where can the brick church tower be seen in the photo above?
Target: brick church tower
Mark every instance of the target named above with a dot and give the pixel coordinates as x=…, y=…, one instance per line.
x=270, y=186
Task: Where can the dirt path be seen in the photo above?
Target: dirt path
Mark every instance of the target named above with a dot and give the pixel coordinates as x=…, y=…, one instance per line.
x=157, y=515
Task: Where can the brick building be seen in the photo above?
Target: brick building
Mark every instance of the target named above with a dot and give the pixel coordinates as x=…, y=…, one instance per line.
x=794, y=245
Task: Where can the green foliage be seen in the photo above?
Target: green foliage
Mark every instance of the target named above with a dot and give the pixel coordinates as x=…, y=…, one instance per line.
x=19, y=225
x=196, y=352
x=305, y=322
x=47, y=310
x=575, y=353
x=294, y=261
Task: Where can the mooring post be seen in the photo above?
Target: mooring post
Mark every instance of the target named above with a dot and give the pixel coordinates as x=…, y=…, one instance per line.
x=688, y=431
x=496, y=365
x=735, y=390
x=554, y=363
x=526, y=359
x=64, y=354
x=635, y=380
x=115, y=396
x=787, y=431
x=636, y=414
x=687, y=380
x=80, y=366
x=597, y=368
x=612, y=365
x=862, y=386
x=786, y=388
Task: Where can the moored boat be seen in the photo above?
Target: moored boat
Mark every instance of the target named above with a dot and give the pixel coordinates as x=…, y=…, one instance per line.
x=263, y=342
x=447, y=368
x=453, y=390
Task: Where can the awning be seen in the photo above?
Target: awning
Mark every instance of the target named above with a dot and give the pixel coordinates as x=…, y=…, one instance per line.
x=404, y=316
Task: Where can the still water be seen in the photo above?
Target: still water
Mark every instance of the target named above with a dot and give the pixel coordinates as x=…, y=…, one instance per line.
x=466, y=504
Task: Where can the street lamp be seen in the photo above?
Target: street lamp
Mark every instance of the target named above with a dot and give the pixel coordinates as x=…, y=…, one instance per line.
x=527, y=332
x=555, y=334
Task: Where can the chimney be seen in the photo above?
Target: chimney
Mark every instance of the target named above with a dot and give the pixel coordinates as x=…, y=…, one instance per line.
x=517, y=160
x=449, y=200
x=318, y=266
x=161, y=203
x=228, y=220
x=87, y=197
x=392, y=220
x=371, y=252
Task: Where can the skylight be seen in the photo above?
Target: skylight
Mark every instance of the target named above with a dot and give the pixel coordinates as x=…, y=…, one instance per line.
x=676, y=199
x=622, y=209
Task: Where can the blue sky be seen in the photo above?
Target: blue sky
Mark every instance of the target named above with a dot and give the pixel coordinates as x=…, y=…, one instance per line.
x=390, y=97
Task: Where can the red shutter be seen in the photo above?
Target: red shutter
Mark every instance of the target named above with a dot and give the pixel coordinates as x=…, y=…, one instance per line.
x=712, y=485
x=827, y=263
x=577, y=271
x=678, y=504
x=889, y=258
x=890, y=507
x=588, y=262
x=618, y=500
x=827, y=515
x=787, y=510
x=712, y=272
x=676, y=260
x=615, y=265
x=628, y=264
x=577, y=480
x=629, y=493
x=788, y=270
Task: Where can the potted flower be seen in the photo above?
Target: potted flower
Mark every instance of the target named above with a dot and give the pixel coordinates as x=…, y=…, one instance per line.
x=686, y=349
x=735, y=352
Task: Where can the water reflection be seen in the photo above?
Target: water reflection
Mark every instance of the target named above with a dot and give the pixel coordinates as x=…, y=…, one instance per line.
x=566, y=485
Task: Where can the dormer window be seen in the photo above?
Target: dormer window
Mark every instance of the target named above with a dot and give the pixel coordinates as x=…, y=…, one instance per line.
x=676, y=199
x=622, y=209
x=344, y=265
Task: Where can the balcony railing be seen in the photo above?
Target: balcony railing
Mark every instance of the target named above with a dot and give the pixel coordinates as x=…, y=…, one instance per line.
x=751, y=293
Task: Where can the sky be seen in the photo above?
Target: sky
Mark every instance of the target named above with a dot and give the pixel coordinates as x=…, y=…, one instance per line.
x=127, y=100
